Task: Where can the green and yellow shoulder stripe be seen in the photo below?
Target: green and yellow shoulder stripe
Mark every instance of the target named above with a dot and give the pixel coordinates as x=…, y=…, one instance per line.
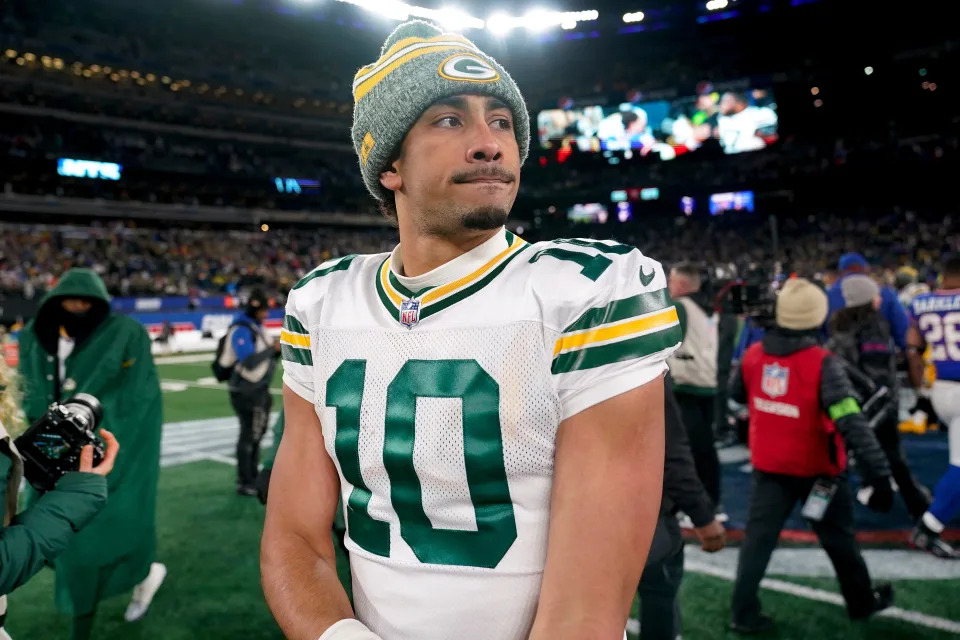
x=628, y=328
x=294, y=336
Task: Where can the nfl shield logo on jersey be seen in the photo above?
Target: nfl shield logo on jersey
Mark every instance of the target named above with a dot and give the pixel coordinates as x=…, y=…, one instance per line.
x=409, y=313
x=775, y=379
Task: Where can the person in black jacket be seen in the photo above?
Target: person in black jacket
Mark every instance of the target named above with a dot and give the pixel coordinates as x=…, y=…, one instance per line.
x=803, y=415
x=861, y=336
x=682, y=490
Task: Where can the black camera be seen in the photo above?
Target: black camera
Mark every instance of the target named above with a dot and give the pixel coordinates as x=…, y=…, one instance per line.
x=51, y=446
x=752, y=298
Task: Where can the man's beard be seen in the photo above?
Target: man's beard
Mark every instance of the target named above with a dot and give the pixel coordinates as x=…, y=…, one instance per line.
x=452, y=223
x=485, y=218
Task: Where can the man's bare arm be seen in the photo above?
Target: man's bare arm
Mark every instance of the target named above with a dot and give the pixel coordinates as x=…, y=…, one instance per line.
x=915, y=348
x=297, y=562
x=608, y=478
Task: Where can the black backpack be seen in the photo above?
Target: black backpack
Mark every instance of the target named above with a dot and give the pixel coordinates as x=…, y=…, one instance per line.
x=221, y=371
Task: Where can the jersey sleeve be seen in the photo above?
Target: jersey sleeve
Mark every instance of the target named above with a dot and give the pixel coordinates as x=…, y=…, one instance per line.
x=614, y=324
x=295, y=348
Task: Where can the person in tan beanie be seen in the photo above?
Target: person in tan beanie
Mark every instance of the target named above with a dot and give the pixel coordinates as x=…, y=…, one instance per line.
x=803, y=416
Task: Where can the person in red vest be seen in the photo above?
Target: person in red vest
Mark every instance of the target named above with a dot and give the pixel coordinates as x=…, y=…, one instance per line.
x=804, y=414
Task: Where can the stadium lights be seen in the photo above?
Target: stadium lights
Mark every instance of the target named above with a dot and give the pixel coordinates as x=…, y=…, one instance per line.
x=636, y=16
x=539, y=20
x=448, y=17
x=536, y=20
x=458, y=20
x=499, y=23
x=716, y=5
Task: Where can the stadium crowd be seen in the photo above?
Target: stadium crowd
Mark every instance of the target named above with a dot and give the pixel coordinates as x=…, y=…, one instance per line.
x=196, y=262
x=181, y=262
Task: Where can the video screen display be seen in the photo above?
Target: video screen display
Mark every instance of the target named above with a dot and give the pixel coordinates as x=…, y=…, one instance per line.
x=73, y=168
x=589, y=212
x=736, y=121
x=632, y=195
x=733, y=201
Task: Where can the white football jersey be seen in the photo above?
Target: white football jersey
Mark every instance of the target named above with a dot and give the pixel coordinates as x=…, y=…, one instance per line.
x=440, y=397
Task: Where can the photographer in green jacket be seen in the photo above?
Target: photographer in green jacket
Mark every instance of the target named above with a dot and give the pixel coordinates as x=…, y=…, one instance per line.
x=36, y=536
x=76, y=344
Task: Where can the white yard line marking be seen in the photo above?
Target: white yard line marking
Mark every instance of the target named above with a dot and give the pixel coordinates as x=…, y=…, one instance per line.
x=190, y=359
x=223, y=444
x=213, y=457
x=210, y=439
x=809, y=593
x=222, y=386
x=884, y=564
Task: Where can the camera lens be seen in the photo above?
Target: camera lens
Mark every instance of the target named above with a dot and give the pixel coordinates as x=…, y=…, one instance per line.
x=83, y=404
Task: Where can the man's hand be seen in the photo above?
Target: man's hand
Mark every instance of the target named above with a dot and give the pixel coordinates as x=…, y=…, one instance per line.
x=878, y=495
x=712, y=536
x=109, y=456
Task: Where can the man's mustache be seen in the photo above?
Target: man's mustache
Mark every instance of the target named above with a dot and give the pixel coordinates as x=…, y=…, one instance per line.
x=487, y=173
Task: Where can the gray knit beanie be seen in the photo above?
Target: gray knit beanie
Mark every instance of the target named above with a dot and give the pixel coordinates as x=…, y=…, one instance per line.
x=419, y=65
x=858, y=289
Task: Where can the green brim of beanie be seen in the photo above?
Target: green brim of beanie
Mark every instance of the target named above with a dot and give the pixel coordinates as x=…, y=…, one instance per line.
x=419, y=65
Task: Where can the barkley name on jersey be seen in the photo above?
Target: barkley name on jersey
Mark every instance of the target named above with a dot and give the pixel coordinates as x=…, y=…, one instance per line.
x=440, y=397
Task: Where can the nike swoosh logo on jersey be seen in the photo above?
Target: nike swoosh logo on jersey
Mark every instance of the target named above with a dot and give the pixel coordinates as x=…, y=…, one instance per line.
x=646, y=278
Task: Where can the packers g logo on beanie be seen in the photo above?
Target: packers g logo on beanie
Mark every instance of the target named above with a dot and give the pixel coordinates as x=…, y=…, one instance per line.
x=465, y=66
x=419, y=65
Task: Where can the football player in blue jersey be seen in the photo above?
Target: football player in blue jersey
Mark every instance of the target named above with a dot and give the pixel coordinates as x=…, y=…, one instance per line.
x=935, y=322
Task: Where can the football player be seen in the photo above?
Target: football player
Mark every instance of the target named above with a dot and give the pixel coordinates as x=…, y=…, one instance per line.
x=936, y=325
x=490, y=411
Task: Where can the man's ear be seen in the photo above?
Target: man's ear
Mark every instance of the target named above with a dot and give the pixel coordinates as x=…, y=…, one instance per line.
x=390, y=178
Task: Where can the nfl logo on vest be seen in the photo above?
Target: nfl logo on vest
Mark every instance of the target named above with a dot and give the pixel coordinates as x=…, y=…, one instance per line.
x=409, y=313
x=775, y=379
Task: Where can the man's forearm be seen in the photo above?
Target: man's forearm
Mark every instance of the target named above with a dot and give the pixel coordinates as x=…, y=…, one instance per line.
x=915, y=367
x=606, y=498
x=301, y=587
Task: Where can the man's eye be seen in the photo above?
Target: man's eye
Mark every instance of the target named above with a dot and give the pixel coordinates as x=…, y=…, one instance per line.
x=503, y=123
x=449, y=121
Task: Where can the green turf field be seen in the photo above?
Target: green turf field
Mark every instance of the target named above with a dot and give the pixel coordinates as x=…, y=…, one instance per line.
x=208, y=538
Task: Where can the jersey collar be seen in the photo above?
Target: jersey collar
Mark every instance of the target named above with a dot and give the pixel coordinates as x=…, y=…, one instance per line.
x=447, y=284
x=450, y=271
